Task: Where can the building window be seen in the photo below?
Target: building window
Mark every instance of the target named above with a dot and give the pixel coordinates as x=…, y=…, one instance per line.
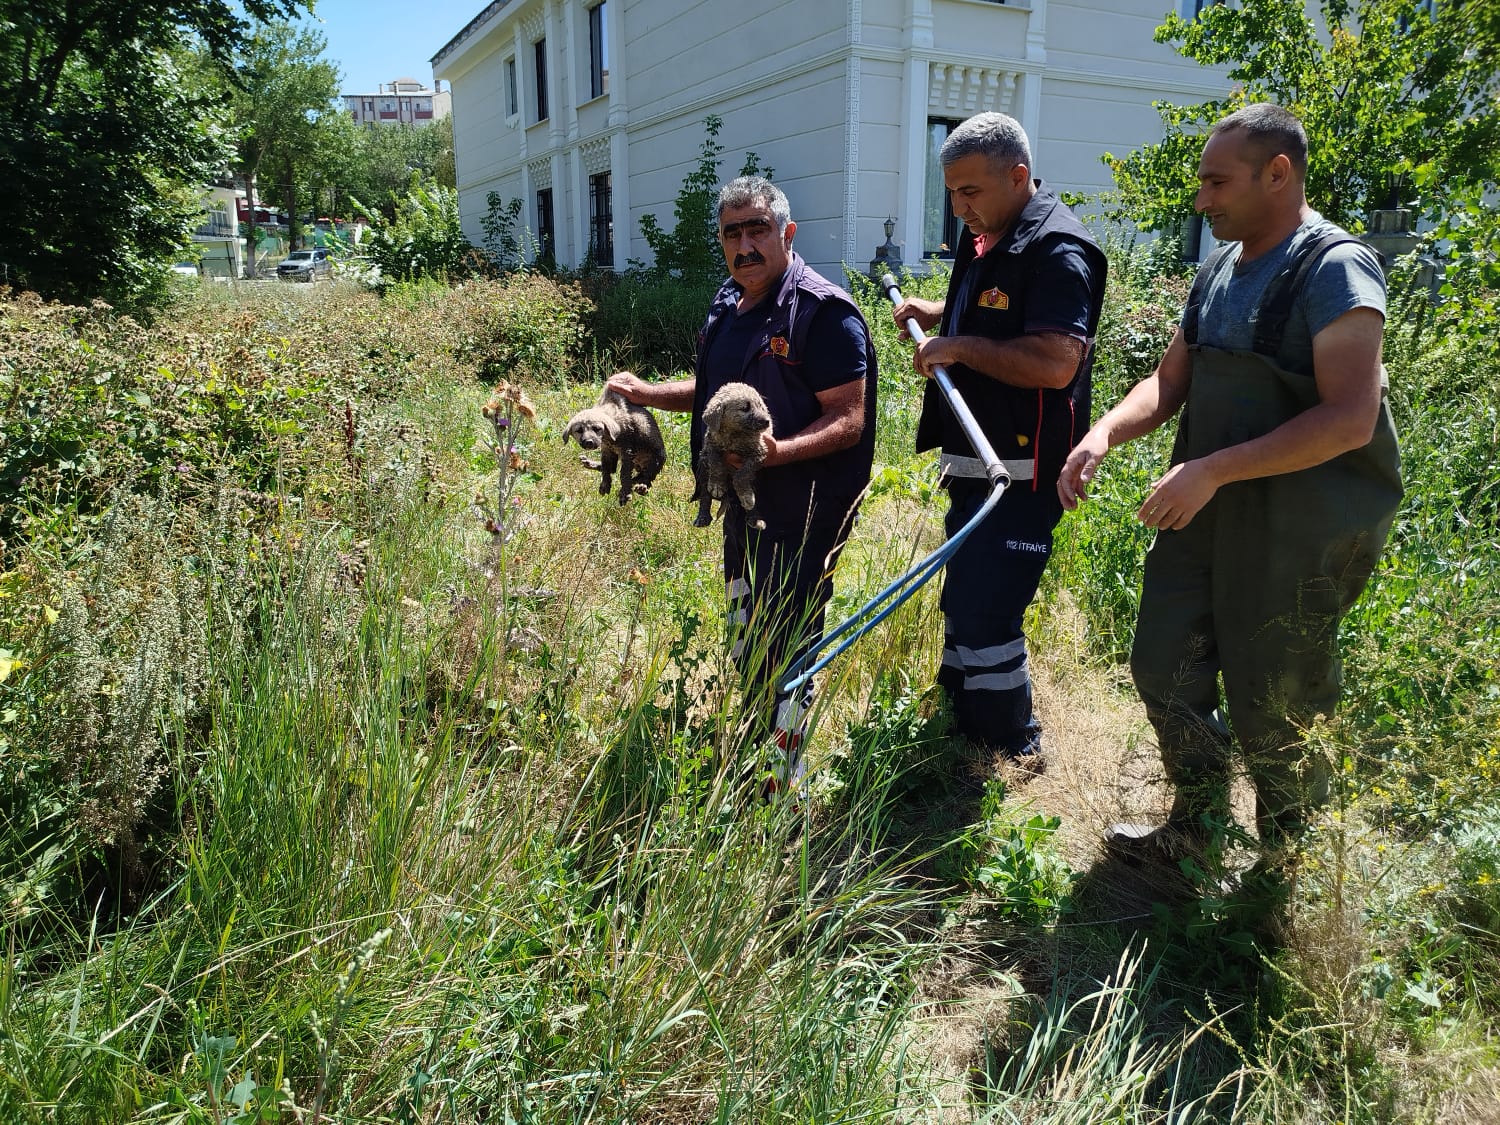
x=546, y=247
x=512, y=103
x=939, y=223
x=541, y=79
x=601, y=221
x=598, y=53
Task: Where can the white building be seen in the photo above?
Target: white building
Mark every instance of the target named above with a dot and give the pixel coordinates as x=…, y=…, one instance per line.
x=217, y=238
x=402, y=102
x=592, y=112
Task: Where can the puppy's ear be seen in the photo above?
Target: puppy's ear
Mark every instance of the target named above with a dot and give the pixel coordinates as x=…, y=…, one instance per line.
x=570, y=432
x=612, y=428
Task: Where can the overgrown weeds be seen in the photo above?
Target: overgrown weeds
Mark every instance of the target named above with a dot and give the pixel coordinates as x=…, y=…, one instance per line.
x=325, y=800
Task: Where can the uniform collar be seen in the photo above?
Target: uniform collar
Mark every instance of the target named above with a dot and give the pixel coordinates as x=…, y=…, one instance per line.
x=1030, y=222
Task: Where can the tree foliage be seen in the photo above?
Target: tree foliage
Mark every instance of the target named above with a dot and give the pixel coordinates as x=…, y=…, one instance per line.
x=385, y=156
x=283, y=104
x=103, y=135
x=1398, y=98
x=691, y=247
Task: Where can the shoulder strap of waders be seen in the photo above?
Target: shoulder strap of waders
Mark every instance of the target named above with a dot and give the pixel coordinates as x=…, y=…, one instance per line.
x=1209, y=267
x=1276, y=302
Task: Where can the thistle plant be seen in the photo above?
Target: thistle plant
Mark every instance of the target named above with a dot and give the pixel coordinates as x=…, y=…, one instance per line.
x=506, y=411
x=507, y=408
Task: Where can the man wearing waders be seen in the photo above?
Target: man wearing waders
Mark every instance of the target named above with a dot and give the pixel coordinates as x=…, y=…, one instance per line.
x=1283, y=484
x=1018, y=324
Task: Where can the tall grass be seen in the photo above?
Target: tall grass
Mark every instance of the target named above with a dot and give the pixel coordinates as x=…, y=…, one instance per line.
x=455, y=827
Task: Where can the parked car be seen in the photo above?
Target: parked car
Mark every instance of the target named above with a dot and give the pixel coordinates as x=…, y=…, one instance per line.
x=304, y=265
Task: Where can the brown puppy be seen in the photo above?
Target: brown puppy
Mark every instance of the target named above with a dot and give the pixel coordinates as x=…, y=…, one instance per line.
x=626, y=438
x=733, y=422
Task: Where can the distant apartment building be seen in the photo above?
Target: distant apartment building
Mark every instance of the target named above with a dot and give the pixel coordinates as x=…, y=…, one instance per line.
x=591, y=112
x=217, y=237
x=402, y=102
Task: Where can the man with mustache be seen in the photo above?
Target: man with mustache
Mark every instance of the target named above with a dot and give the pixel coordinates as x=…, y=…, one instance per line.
x=1017, y=331
x=1284, y=480
x=802, y=343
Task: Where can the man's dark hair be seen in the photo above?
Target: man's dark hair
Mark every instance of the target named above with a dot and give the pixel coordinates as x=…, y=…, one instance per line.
x=746, y=191
x=1270, y=131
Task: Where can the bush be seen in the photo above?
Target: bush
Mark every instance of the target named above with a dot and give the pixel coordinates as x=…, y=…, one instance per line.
x=425, y=239
x=648, y=323
x=525, y=327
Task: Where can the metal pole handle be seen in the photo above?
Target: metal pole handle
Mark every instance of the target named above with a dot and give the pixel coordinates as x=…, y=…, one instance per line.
x=994, y=468
x=883, y=604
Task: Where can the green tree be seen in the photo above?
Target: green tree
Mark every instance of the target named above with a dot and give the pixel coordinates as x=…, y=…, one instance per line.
x=283, y=105
x=376, y=163
x=104, y=136
x=691, y=247
x=425, y=239
x=1398, y=98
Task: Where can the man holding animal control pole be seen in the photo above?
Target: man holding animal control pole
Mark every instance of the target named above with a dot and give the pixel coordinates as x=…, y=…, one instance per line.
x=801, y=342
x=1017, y=330
x=1284, y=481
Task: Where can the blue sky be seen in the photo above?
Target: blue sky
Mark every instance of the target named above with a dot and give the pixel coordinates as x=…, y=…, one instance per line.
x=375, y=41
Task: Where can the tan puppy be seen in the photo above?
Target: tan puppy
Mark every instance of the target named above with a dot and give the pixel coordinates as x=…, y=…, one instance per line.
x=626, y=438
x=733, y=422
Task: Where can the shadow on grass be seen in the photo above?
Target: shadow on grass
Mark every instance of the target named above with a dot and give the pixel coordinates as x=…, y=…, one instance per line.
x=1150, y=985
x=1152, y=976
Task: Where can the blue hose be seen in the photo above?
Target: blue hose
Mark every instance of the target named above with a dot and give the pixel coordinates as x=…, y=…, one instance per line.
x=896, y=594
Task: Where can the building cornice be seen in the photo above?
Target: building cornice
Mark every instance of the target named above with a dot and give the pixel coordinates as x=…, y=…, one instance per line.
x=469, y=30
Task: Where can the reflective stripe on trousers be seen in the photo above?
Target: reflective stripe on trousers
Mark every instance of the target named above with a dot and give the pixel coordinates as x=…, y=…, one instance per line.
x=987, y=586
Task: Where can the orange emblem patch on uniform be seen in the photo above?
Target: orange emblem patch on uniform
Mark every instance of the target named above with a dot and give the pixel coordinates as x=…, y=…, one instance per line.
x=994, y=299
x=779, y=346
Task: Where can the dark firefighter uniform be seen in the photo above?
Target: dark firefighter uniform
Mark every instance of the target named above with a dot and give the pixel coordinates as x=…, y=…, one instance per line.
x=808, y=337
x=1045, y=275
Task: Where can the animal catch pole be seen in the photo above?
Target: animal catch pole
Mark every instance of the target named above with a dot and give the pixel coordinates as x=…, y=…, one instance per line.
x=883, y=604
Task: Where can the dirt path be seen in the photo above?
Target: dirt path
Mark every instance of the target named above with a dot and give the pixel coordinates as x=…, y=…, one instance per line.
x=1102, y=767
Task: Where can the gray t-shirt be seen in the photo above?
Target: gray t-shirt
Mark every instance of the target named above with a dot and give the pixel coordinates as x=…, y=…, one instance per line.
x=1347, y=277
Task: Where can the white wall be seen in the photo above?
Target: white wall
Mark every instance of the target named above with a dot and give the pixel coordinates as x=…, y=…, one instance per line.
x=838, y=110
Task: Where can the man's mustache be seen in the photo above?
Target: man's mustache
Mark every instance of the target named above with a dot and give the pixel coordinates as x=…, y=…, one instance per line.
x=750, y=259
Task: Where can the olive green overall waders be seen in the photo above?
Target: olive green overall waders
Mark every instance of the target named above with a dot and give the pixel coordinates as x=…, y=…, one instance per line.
x=1253, y=589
